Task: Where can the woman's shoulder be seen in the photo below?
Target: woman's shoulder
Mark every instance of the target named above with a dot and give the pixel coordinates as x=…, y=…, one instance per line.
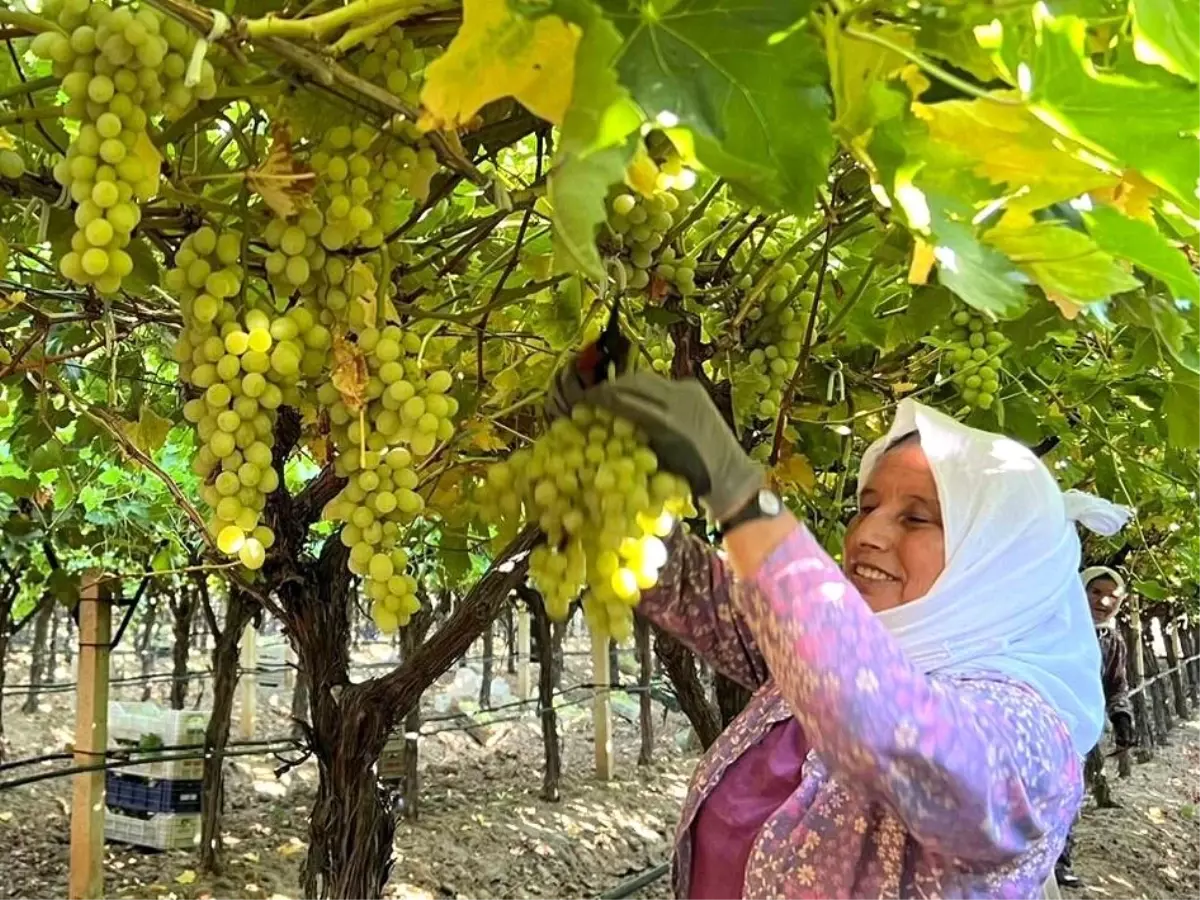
x=1034, y=729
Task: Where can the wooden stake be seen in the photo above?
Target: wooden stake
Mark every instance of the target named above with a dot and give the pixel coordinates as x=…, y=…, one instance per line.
x=602, y=708
x=249, y=682
x=86, y=877
x=523, y=653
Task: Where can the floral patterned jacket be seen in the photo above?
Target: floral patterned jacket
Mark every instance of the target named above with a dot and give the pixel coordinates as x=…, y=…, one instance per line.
x=916, y=786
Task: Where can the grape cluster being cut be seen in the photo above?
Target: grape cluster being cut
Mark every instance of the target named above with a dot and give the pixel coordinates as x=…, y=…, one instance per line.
x=974, y=355
x=118, y=68
x=245, y=365
x=593, y=486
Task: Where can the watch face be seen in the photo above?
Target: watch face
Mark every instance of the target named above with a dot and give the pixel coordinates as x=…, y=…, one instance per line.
x=768, y=502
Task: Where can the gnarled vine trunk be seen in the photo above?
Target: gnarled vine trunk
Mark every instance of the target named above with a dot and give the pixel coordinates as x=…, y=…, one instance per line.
x=680, y=665
x=183, y=612
x=239, y=610
x=37, y=654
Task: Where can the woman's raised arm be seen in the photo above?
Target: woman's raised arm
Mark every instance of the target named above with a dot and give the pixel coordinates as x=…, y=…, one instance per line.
x=694, y=601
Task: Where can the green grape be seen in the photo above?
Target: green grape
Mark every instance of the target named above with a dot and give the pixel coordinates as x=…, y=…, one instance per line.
x=603, y=511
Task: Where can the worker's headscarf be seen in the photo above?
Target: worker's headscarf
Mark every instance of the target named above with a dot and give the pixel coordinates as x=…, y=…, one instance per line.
x=1009, y=600
x=1112, y=605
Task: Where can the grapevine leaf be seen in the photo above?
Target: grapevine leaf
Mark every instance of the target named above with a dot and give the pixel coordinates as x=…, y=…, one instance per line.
x=498, y=52
x=980, y=276
x=594, y=143
x=576, y=191
x=350, y=374
x=1009, y=146
x=1167, y=33
x=746, y=84
x=1151, y=590
x=149, y=432
x=1173, y=332
x=1148, y=126
x=793, y=474
x=1063, y=261
x=284, y=182
x=1144, y=246
x=855, y=66
x=1179, y=407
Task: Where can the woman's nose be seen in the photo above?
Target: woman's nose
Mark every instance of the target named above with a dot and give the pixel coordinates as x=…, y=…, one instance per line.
x=873, y=531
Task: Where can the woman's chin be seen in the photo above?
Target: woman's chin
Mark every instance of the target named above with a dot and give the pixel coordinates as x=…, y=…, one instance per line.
x=879, y=595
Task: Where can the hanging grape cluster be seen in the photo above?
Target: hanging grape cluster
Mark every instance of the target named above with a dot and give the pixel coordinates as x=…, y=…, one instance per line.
x=774, y=340
x=594, y=488
x=975, y=358
x=245, y=364
x=385, y=412
x=118, y=68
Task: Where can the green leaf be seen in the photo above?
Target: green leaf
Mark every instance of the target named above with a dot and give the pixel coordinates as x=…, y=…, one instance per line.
x=980, y=276
x=594, y=142
x=1149, y=127
x=1144, y=246
x=1151, y=590
x=1181, y=406
x=1173, y=331
x=149, y=432
x=1063, y=261
x=1167, y=33
x=576, y=190
x=747, y=86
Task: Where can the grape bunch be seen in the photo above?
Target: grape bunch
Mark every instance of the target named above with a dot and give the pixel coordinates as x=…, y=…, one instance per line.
x=775, y=339
x=594, y=488
x=641, y=223
x=974, y=357
x=117, y=68
x=403, y=406
x=245, y=367
x=379, y=499
x=349, y=179
x=400, y=415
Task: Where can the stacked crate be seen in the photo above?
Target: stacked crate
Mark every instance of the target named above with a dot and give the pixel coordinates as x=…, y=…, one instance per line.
x=155, y=804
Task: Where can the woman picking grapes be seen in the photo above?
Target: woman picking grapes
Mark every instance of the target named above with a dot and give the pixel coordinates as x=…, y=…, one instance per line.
x=921, y=712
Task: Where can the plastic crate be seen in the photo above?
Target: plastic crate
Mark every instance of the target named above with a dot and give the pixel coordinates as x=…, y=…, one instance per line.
x=130, y=724
x=163, y=831
x=137, y=793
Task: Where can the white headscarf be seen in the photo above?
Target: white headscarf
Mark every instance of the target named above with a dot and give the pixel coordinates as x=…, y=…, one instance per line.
x=1009, y=600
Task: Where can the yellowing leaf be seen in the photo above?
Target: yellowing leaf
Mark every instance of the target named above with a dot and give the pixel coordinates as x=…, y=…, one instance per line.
x=1062, y=260
x=6, y=141
x=187, y=876
x=1008, y=145
x=8, y=301
x=854, y=67
x=501, y=53
x=793, y=473
x=642, y=173
x=149, y=432
x=483, y=437
x=1132, y=196
x=6, y=816
x=922, y=261
x=292, y=847
x=350, y=375
x=1066, y=306
x=283, y=182
x=151, y=159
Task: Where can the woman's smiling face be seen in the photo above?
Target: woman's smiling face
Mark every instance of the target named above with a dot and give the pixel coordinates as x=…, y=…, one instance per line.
x=895, y=549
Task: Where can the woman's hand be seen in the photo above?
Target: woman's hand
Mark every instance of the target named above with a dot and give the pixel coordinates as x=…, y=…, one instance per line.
x=684, y=427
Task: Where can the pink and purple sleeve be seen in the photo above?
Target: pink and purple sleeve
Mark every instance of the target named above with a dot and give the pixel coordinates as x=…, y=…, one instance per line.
x=977, y=769
x=694, y=602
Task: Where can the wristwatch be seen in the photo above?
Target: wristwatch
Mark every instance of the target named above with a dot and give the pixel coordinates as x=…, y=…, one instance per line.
x=765, y=504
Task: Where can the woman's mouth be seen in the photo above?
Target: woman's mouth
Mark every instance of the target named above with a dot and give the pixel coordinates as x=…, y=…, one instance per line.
x=870, y=573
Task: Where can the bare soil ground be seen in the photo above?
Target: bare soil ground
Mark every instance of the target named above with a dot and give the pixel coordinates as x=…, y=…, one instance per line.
x=483, y=831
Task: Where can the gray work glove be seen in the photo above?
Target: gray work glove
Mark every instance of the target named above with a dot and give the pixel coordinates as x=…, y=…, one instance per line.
x=685, y=429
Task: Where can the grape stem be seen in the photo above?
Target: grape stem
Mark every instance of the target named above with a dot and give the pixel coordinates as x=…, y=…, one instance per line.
x=31, y=114
x=28, y=87
x=810, y=330
x=28, y=22
x=314, y=28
